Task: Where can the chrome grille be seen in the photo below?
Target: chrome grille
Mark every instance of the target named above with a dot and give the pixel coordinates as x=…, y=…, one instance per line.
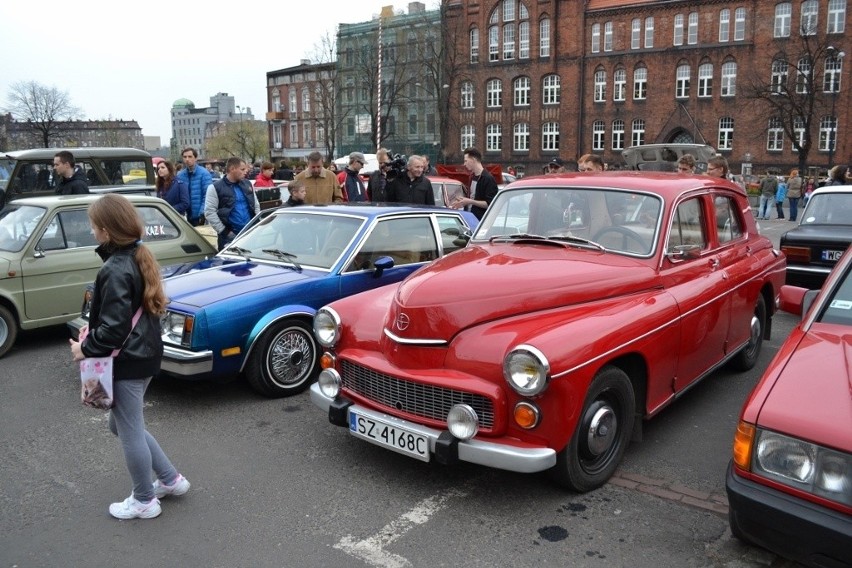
x=426, y=401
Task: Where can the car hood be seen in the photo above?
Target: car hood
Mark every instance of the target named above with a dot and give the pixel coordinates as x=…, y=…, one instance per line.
x=490, y=282
x=227, y=279
x=812, y=395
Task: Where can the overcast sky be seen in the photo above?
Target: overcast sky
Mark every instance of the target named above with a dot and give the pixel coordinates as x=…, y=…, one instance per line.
x=132, y=60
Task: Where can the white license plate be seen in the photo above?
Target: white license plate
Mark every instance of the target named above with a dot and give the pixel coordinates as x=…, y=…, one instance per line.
x=832, y=255
x=391, y=437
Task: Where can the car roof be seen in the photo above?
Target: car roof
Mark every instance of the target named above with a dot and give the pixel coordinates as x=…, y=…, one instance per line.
x=667, y=184
x=48, y=200
x=832, y=189
x=45, y=153
x=368, y=209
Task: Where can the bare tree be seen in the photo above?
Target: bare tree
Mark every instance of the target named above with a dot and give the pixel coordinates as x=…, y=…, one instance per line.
x=797, y=92
x=329, y=116
x=46, y=109
x=246, y=139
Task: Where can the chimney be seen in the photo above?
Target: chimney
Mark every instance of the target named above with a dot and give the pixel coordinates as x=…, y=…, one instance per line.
x=304, y=62
x=416, y=7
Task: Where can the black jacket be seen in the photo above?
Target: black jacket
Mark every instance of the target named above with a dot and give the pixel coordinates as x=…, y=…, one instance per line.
x=117, y=296
x=403, y=189
x=74, y=185
x=486, y=190
x=377, y=187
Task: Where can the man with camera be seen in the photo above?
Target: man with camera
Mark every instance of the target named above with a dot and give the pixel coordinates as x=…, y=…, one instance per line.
x=377, y=184
x=411, y=186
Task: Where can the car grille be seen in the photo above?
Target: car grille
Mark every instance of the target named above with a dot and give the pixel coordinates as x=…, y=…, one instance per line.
x=426, y=401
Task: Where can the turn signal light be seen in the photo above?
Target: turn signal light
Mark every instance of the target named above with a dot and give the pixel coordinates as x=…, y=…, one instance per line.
x=743, y=441
x=327, y=361
x=526, y=415
x=797, y=254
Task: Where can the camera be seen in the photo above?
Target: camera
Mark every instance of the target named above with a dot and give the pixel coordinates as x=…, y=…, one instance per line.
x=396, y=167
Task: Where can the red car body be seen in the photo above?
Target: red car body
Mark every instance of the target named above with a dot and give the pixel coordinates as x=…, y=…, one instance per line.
x=790, y=482
x=605, y=296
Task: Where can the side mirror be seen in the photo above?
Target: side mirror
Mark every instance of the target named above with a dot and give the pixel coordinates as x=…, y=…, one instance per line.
x=795, y=300
x=381, y=264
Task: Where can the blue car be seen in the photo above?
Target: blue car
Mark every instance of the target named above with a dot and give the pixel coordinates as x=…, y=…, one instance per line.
x=249, y=309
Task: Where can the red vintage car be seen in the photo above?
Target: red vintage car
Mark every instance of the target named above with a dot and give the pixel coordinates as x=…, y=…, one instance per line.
x=583, y=303
x=790, y=481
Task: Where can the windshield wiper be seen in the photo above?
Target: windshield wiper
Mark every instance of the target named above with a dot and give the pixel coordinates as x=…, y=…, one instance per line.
x=238, y=250
x=552, y=239
x=574, y=239
x=284, y=255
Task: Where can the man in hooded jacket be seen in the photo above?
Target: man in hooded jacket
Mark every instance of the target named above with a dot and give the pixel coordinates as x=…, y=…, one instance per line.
x=72, y=180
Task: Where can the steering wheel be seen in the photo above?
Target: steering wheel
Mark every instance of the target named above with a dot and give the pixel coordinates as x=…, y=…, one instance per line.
x=627, y=235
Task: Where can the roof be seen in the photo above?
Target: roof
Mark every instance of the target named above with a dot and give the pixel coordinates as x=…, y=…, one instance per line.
x=832, y=189
x=368, y=209
x=609, y=4
x=49, y=200
x=49, y=153
x=666, y=184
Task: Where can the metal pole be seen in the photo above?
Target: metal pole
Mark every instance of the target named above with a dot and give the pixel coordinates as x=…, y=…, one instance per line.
x=379, y=91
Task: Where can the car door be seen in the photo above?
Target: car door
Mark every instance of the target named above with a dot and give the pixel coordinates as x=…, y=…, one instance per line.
x=163, y=235
x=692, y=272
x=59, y=262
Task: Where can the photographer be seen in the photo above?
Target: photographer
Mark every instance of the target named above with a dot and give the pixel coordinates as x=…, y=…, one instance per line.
x=376, y=186
x=412, y=186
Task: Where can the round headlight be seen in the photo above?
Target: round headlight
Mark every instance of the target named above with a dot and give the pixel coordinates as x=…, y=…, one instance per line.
x=327, y=327
x=526, y=370
x=462, y=422
x=329, y=383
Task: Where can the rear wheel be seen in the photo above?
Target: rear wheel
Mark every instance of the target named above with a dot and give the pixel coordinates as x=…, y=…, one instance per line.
x=8, y=330
x=284, y=361
x=747, y=357
x=601, y=436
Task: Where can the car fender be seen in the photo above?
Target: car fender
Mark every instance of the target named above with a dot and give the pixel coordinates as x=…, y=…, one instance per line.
x=292, y=311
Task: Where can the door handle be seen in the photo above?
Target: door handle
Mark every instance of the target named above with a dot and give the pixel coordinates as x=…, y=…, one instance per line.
x=714, y=263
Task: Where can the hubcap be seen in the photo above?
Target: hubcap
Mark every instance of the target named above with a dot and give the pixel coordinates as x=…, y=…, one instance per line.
x=4, y=331
x=289, y=359
x=602, y=429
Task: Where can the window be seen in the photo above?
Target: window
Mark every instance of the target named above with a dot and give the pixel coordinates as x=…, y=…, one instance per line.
x=831, y=77
x=803, y=76
x=450, y=225
x=544, y=37
x=687, y=232
x=306, y=135
x=596, y=38
x=724, y=25
x=635, y=33
x=524, y=40
x=619, y=81
x=550, y=90
x=810, y=15
x=649, y=32
x=638, y=131
x=493, y=44
x=521, y=137
x=726, y=133
x=467, y=95
x=608, y=36
x=600, y=86
x=836, y=17
x=783, y=15
x=798, y=132
x=467, y=136
x=508, y=10
x=729, y=79
x=692, y=31
x=509, y=31
x=640, y=83
x=71, y=229
x=550, y=136
x=827, y=132
x=682, y=81
x=739, y=24
x=493, y=138
x=775, y=135
x=401, y=239
x=494, y=93
x=727, y=222
x=276, y=101
x=412, y=124
x=293, y=103
x=294, y=132
x=779, y=76
x=618, y=135
x=678, y=29
x=306, y=100
x=508, y=41
x=474, y=45
x=598, y=132
x=522, y=91
x=705, y=80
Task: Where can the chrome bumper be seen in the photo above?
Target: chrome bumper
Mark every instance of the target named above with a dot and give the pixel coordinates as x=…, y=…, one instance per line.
x=75, y=324
x=490, y=454
x=186, y=363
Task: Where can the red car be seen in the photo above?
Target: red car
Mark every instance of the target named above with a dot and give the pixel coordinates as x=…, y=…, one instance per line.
x=583, y=303
x=790, y=481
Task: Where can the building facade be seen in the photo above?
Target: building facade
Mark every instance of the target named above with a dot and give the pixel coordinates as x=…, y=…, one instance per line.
x=546, y=78
x=192, y=126
x=20, y=135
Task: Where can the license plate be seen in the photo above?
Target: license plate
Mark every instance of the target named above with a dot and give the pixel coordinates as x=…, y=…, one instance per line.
x=391, y=437
x=832, y=255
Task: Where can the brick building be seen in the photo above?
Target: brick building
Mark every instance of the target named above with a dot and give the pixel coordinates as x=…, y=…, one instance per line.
x=549, y=78
x=20, y=135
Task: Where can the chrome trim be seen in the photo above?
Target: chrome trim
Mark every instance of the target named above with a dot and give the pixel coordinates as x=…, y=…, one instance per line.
x=490, y=454
x=186, y=363
x=250, y=348
x=809, y=269
x=404, y=341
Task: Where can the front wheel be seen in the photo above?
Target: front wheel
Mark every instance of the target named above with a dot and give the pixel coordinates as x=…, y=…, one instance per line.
x=602, y=434
x=8, y=330
x=285, y=361
x=747, y=357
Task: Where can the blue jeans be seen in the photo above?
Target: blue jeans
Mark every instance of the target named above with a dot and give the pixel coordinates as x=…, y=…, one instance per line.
x=794, y=208
x=766, y=201
x=141, y=450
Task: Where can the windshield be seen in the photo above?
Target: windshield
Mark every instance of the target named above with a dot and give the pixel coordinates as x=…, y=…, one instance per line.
x=17, y=223
x=620, y=221
x=303, y=239
x=839, y=304
x=829, y=209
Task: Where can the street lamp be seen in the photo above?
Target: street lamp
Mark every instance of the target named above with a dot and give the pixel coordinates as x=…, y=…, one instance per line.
x=836, y=59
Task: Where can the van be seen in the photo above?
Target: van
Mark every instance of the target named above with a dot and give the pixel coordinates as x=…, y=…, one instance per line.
x=664, y=157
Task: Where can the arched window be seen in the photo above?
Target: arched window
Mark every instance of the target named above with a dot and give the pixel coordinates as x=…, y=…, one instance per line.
x=467, y=95
x=468, y=140
x=678, y=29
x=544, y=37
x=509, y=31
x=640, y=83
x=724, y=25
x=831, y=76
x=494, y=93
x=618, y=134
x=550, y=90
x=779, y=76
x=803, y=75
x=682, y=78
x=306, y=100
x=550, y=136
x=739, y=24
x=726, y=133
x=493, y=138
x=619, y=85
x=638, y=132
x=474, y=45
x=729, y=79
x=692, y=29
x=775, y=135
x=276, y=101
x=827, y=133
x=705, y=80
x=598, y=133
x=600, y=86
